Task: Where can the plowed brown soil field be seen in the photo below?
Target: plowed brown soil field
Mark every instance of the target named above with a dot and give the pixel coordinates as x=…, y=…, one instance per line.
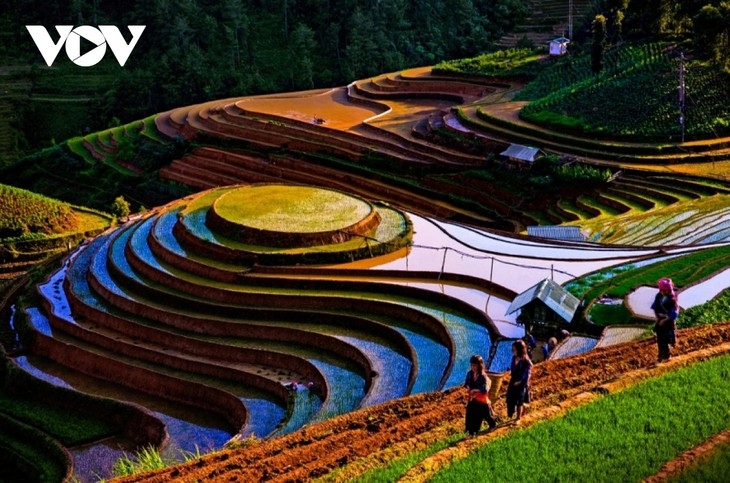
x=321, y=448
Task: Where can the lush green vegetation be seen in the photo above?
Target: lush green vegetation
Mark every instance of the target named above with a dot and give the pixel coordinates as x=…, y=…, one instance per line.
x=708, y=470
x=503, y=63
x=609, y=314
x=624, y=436
x=619, y=281
x=27, y=454
x=120, y=207
x=23, y=212
x=20, y=400
x=580, y=286
x=634, y=97
x=202, y=50
x=711, y=312
x=397, y=467
x=567, y=174
x=150, y=459
x=68, y=172
x=682, y=270
x=69, y=427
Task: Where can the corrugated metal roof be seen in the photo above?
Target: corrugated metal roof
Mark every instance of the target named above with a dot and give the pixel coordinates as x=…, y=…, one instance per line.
x=518, y=151
x=564, y=233
x=561, y=40
x=551, y=294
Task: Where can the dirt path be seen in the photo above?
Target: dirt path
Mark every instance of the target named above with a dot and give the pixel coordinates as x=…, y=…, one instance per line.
x=689, y=458
x=416, y=421
x=431, y=465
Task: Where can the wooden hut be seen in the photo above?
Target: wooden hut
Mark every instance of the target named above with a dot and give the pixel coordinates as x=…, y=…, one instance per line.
x=546, y=305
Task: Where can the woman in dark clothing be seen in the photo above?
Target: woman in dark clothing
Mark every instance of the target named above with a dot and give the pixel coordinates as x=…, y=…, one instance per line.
x=519, y=381
x=478, y=408
x=666, y=310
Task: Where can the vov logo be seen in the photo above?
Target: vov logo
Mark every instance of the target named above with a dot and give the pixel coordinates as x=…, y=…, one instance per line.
x=101, y=37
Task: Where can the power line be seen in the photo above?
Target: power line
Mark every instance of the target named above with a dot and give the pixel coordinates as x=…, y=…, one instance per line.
x=681, y=92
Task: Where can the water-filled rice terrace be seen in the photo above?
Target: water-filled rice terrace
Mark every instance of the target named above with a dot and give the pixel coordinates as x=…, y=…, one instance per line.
x=210, y=310
x=192, y=305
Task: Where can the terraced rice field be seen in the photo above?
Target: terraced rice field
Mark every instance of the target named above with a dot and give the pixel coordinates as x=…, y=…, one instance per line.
x=206, y=304
x=170, y=307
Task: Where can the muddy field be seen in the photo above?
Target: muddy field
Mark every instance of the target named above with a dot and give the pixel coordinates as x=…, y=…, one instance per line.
x=319, y=449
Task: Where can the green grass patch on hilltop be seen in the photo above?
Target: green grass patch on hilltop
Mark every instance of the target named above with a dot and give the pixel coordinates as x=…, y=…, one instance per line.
x=625, y=436
x=506, y=63
x=291, y=209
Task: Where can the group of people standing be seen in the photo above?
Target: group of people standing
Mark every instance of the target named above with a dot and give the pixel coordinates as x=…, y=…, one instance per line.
x=477, y=383
x=479, y=407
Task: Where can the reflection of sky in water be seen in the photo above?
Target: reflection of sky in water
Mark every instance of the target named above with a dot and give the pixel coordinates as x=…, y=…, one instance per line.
x=432, y=360
x=502, y=357
x=393, y=370
x=519, y=262
x=574, y=345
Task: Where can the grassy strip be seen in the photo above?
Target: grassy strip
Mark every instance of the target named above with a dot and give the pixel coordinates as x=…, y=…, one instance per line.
x=683, y=270
x=150, y=458
x=504, y=63
x=70, y=428
x=28, y=454
x=397, y=467
x=607, y=314
x=624, y=436
x=710, y=469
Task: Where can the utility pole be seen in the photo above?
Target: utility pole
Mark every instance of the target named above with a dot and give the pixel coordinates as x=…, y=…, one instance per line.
x=681, y=92
x=570, y=20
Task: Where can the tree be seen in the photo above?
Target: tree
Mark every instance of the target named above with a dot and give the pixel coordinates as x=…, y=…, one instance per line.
x=120, y=207
x=711, y=31
x=301, y=64
x=616, y=16
x=599, y=43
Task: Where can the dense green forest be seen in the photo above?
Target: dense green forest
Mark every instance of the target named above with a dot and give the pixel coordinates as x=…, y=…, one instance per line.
x=193, y=50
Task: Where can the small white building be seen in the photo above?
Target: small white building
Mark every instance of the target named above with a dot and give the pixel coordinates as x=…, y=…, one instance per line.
x=559, y=46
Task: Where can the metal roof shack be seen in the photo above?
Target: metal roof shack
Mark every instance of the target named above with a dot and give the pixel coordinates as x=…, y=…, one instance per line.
x=559, y=46
x=522, y=155
x=561, y=233
x=548, y=294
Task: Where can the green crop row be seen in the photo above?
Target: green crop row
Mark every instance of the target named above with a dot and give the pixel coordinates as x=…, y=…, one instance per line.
x=23, y=212
x=634, y=98
x=683, y=270
x=625, y=436
x=711, y=312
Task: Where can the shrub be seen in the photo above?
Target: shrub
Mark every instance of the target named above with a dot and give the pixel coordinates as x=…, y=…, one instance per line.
x=120, y=207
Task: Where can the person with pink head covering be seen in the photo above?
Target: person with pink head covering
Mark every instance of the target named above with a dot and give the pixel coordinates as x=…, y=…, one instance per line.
x=666, y=311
